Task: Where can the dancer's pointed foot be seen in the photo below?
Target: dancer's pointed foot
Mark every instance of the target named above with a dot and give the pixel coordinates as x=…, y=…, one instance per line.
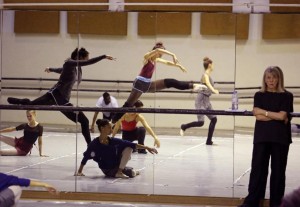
x=18, y=101
x=135, y=173
x=199, y=87
x=181, y=132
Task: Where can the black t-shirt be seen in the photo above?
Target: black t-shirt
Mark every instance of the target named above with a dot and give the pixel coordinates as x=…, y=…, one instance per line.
x=31, y=133
x=274, y=130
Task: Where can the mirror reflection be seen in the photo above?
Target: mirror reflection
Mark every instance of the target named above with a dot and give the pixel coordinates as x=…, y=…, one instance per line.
x=135, y=60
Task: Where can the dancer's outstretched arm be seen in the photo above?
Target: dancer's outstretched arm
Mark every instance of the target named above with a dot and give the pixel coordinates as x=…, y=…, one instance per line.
x=149, y=130
x=159, y=51
x=10, y=129
x=171, y=64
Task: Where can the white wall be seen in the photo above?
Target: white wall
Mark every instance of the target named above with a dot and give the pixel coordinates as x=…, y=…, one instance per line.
x=28, y=55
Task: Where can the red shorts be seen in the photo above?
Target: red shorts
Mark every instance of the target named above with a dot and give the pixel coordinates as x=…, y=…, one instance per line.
x=22, y=147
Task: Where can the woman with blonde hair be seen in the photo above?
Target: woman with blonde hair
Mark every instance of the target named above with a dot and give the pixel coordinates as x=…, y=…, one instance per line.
x=32, y=131
x=272, y=138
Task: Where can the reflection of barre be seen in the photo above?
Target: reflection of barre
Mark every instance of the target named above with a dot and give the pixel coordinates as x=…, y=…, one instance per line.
x=238, y=179
x=127, y=109
x=133, y=110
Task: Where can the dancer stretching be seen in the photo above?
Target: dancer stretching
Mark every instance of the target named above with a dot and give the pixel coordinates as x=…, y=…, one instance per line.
x=143, y=83
x=60, y=93
x=32, y=131
x=203, y=102
x=111, y=154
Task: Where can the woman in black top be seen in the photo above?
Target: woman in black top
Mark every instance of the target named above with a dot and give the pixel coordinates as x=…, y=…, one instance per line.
x=60, y=93
x=32, y=131
x=272, y=137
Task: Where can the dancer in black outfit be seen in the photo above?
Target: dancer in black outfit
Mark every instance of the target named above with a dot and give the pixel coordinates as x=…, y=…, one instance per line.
x=60, y=93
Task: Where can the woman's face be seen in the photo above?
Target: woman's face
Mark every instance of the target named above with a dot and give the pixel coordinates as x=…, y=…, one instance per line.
x=30, y=116
x=271, y=81
x=106, y=129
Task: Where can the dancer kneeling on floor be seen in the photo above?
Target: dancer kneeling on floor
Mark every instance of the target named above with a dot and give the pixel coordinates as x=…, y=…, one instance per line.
x=131, y=132
x=111, y=154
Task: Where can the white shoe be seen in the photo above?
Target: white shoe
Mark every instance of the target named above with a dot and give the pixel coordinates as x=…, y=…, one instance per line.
x=135, y=173
x=181, y=132
x=199, y=87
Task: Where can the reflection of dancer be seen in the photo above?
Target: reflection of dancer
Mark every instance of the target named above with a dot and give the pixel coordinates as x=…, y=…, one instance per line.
x=60, y=93
x=143, y=83
x=131, y=132
x=203, y=102
x=105, y=101
x=10, y=188
x=111, y=154
x=272, y=137
x=32, y=131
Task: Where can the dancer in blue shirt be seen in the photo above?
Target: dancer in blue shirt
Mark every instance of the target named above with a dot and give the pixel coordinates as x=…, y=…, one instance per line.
x=10, y=188
x=111, y=154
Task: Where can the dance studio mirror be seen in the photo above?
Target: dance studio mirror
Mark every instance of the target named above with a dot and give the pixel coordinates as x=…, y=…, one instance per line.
x=185, y=165
x=29, y=50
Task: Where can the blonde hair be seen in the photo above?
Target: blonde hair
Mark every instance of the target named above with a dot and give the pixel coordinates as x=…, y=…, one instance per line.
x=31, y=112
x=276, y=72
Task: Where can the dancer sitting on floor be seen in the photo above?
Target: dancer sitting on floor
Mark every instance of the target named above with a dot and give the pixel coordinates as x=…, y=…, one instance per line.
x=143, y=83
x=31, y=132
x=203, y=102
x=111, y=154
x=60, y=93
x=10, y=188
x=131, y=132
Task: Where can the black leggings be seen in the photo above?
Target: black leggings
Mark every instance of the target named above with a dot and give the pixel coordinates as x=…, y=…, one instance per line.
x=138, y=134
x=48, y=99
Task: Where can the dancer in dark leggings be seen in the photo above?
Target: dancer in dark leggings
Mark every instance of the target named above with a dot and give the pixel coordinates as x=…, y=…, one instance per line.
x=143, y=83
x=203, y=102
x=60, y=93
